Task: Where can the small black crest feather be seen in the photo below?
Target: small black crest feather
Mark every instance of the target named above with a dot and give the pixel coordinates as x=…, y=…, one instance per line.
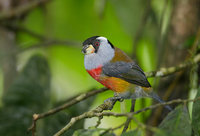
x=90, y=40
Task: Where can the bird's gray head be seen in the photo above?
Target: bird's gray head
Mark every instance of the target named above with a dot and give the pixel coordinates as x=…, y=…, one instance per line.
x=96, y=43
x=98, y=50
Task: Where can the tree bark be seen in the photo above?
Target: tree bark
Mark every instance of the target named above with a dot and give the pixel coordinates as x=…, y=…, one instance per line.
x=8, y=56
x=7, y=48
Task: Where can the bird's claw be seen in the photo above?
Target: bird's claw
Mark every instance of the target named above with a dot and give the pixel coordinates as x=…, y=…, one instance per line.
x=111, y=101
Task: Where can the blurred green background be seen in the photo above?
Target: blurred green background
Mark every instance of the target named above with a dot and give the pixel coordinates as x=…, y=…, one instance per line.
x=49, y=65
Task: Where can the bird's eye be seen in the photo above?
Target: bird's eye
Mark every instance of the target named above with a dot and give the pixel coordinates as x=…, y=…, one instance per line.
x=96, y=43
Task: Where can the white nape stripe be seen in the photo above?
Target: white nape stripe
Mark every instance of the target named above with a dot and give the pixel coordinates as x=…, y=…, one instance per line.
x=104, y=55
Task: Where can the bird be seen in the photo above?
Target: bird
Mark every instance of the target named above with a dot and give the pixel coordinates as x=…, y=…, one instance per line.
x=114, y=69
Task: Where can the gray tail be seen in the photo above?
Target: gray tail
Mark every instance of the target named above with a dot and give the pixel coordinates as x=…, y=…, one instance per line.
x=157, y=98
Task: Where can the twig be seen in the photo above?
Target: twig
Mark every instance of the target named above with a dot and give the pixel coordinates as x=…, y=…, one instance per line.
x=44, y=41
x=73, y=101
x=98, y=122
x=157, y=113
x=167, y=71
x=144, y=126
x=112, y=129
x=51, y=42
x=195, y=45
x=15, y=27
x=20, y=10
x=129, y=119
x=100, y=113
x=33, y=129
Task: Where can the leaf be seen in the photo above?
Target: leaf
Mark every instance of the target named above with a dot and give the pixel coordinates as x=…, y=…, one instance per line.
x=135, y=132
x=27, y=95
x=196, y=115
x=32, y=87
x=177, y=123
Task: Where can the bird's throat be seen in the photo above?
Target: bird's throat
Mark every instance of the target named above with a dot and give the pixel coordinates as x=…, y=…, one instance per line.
x=96, y=72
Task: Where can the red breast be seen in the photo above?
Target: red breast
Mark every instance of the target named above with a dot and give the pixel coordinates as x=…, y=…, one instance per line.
x=95, y=73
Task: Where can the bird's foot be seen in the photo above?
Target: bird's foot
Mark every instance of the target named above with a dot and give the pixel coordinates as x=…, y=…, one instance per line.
x=114, y=99
x=111, y=101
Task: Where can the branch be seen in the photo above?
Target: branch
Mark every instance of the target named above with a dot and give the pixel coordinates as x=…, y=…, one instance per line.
x=98, y=112
x=51, y=42
x=140, y=125
x=112, y=129
x=69, y=103
x=20, y=10
x=44, y=41
x=15, y=27
x=93, y=113
x=129, y=119
x=168, y=71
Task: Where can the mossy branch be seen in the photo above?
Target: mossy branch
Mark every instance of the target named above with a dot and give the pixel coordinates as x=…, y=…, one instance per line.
x=98, y=112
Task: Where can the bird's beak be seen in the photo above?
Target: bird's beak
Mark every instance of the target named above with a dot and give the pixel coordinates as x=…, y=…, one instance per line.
x=88, y=49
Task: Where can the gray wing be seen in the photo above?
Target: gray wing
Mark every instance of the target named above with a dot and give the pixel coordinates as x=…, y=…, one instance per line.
x=127, y=71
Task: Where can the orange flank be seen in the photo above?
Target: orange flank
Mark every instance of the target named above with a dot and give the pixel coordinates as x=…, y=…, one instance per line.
x=113, y=83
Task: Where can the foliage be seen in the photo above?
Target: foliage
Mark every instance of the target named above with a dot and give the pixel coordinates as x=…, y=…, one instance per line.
x=30, y=89
x=177, y=123
x=196, y=115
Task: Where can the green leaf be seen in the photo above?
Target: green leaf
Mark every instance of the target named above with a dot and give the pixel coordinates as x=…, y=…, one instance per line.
x=27, y=95
x=135, y=132
x=196, y=115
x=32, y=87
x=177, y=123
